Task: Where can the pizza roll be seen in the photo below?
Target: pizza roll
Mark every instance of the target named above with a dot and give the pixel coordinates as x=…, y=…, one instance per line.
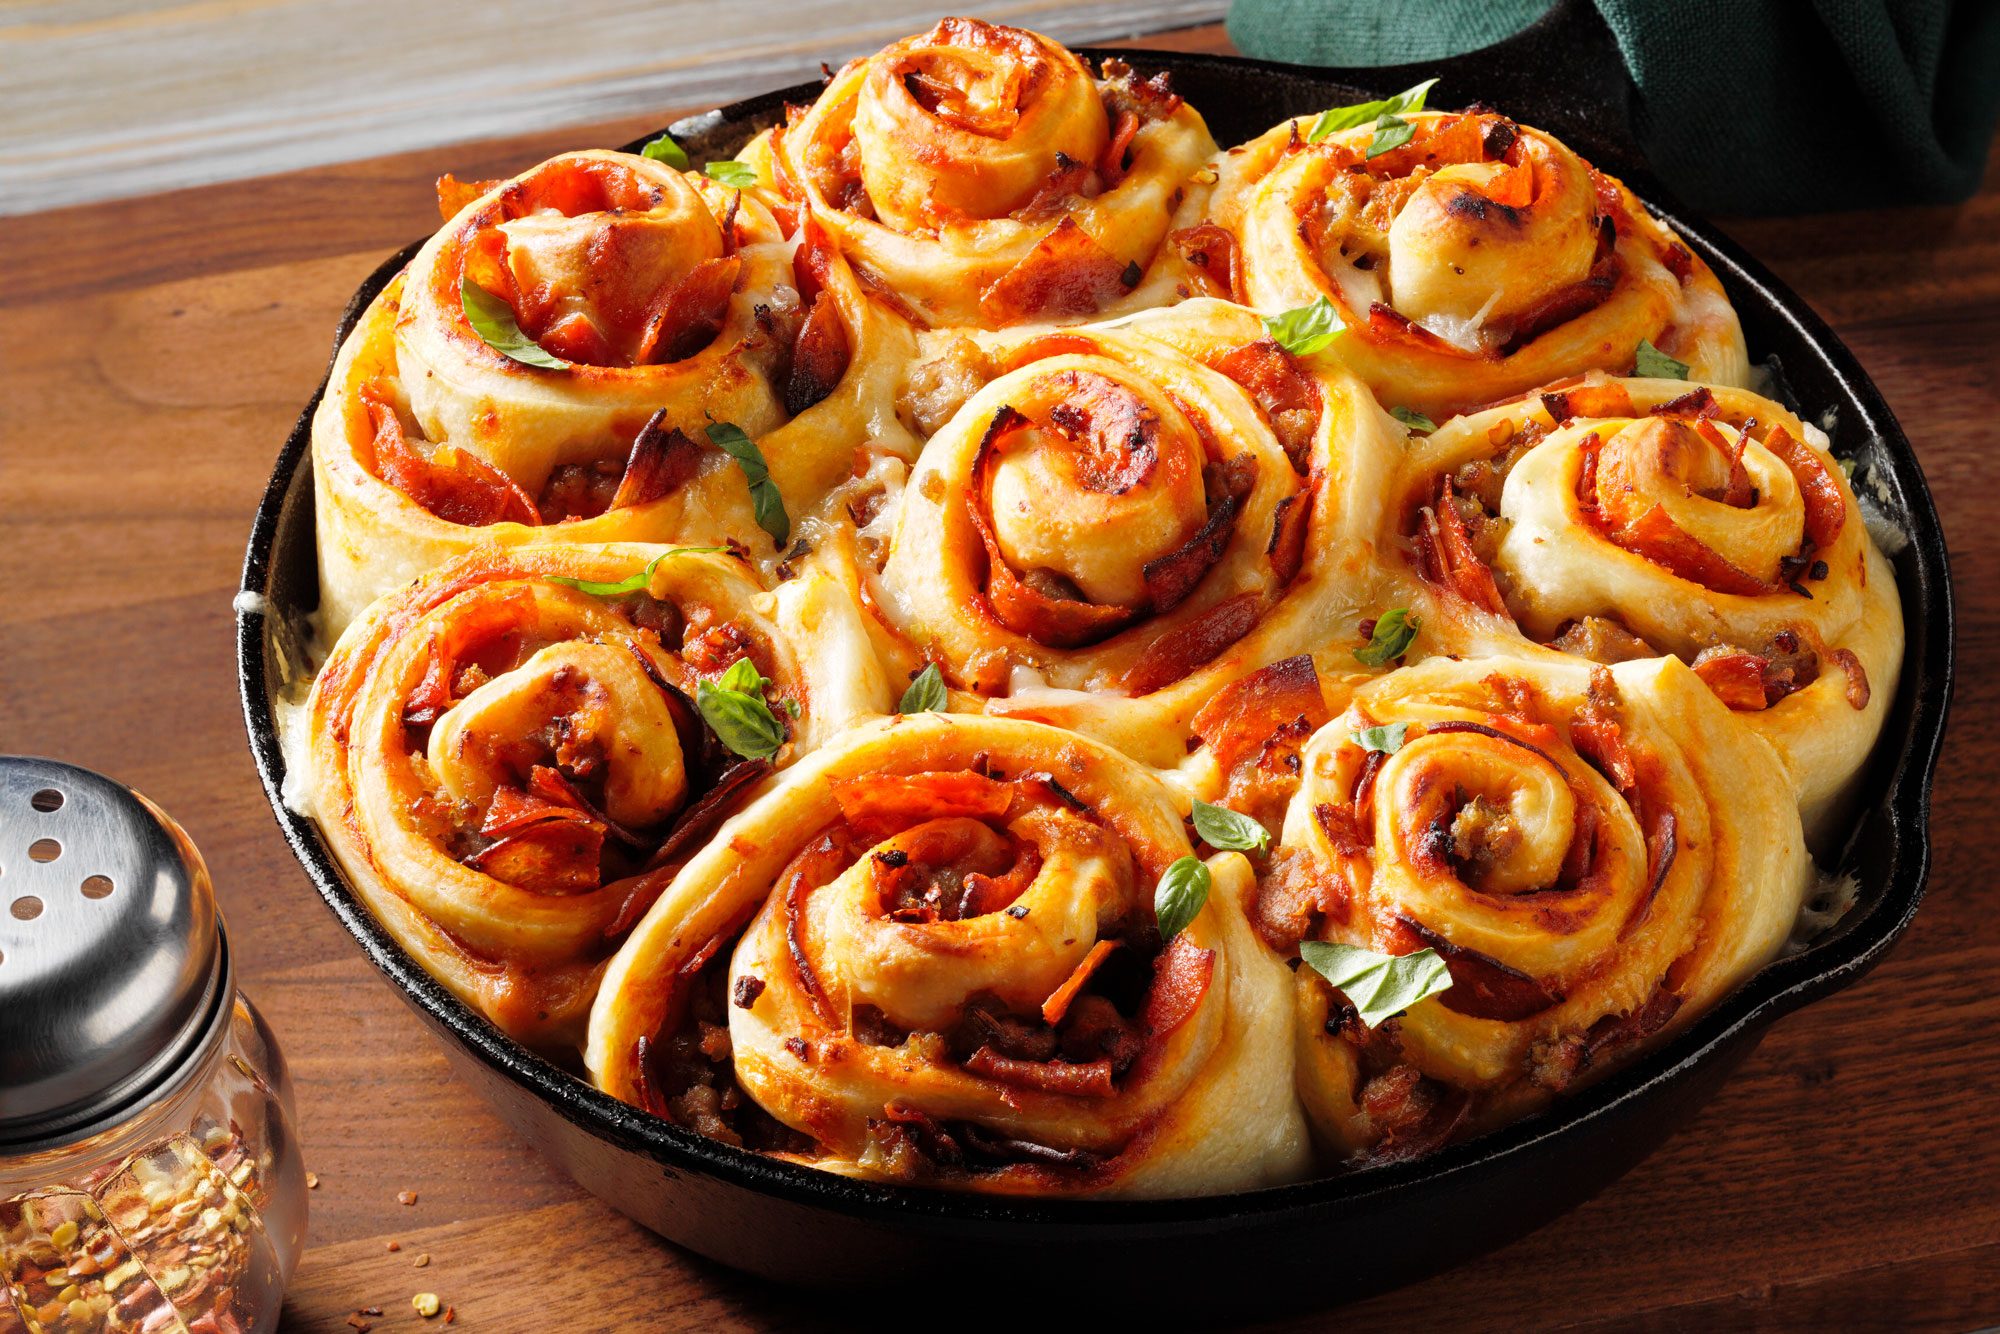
x=510, y=756
x=638, y=309
x=1129, y=516
x=1473, y=260
x=1572, y=840
x=943, y=966
x=980, y=175
x=1616, y=519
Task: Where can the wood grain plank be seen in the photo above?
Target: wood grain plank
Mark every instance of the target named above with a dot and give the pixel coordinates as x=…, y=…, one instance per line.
x=1849, y=1175
x=223, y=89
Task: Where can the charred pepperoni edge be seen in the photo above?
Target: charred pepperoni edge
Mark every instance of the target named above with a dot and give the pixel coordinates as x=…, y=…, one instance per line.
x=1067, y=273
x=1446, y=558
x=1212, y=250
x=1193, y=644
x=663, y=459
x=466, y=491
x=824, y=348
x=1482, y=987
x=1240, y=718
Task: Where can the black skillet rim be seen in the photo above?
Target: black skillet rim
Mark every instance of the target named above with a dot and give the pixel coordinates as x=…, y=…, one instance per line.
x=1829, y=964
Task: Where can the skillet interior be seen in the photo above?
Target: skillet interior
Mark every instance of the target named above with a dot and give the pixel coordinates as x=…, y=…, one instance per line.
x=797, y=1224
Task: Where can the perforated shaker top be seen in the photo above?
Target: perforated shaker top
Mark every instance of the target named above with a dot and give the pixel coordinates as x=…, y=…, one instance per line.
x=112, y=964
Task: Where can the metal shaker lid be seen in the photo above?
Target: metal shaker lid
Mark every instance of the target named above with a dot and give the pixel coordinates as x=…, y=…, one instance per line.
x=112, y=963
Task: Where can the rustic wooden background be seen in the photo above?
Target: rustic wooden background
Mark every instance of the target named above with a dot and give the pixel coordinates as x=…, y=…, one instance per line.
x=153, y=354
x=108, y=99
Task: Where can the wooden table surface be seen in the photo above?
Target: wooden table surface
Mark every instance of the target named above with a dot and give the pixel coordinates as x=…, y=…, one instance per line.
x=153, y=354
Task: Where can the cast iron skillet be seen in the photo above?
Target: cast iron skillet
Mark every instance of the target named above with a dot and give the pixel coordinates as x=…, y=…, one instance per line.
x=1314, y=1242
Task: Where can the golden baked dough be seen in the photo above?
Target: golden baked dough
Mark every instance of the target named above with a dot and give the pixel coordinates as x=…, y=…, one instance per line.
x=1632, y=518
x=1129, y=516
x=979, y=175
x=509, y=767
x=668, y=302
x=1477, y=259
x=950, y=973
x=858, y=813
x=1579, y=845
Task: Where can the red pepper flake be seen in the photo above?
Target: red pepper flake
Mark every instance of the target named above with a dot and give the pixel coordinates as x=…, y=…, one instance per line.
x=394, y=1246
x=406, y=1198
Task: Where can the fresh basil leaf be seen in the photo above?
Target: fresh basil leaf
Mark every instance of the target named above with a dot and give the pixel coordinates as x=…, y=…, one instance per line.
x=1221, y=827
x=1305, y=329
x=1652, y=364
x=925, y=693
x=733, y=706
x=1379, y=986
x=1182, y=892
x=631, y=583
x=770, y=505
x=738, y=175
x=1390, y=132
x=1413, y=419
x=493, y=320
x=1387, y=738
x=664, y=149
x=1394, y=632
x=1361, y=113
x=742, y=676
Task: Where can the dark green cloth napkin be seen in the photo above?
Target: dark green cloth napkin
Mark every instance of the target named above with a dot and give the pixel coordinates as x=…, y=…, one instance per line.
x=1744, y=106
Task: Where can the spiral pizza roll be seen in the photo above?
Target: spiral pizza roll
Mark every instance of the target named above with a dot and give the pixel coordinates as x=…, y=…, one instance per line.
x=1628, y=518
x=1577, y=843
x=1475, y=260
x=1129, y=516
x=944, y=967
x=979, y=175
x=510, y=757
x=653, y=303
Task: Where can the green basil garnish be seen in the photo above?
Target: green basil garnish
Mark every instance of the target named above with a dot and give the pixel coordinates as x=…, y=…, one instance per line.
x=1379, y=986
x=664, y=149
x=493, y=320
x=925, y=693
x=1182, y=892
x=631, y=583
x=733, y=705
x=771, y=517
x=1361, y=113
x=1305, y=329
x=1388, y=738
x=739, y=175
x=1652, y=364
x=1394, y=632
x=1221, y=827
x=1390, y=132
x=1413, y=419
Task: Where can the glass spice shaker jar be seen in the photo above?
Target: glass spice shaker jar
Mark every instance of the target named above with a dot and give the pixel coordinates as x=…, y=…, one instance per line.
x=149, y=1175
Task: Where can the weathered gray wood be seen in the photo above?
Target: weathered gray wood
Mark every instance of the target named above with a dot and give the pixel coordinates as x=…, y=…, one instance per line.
x=106, y=99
